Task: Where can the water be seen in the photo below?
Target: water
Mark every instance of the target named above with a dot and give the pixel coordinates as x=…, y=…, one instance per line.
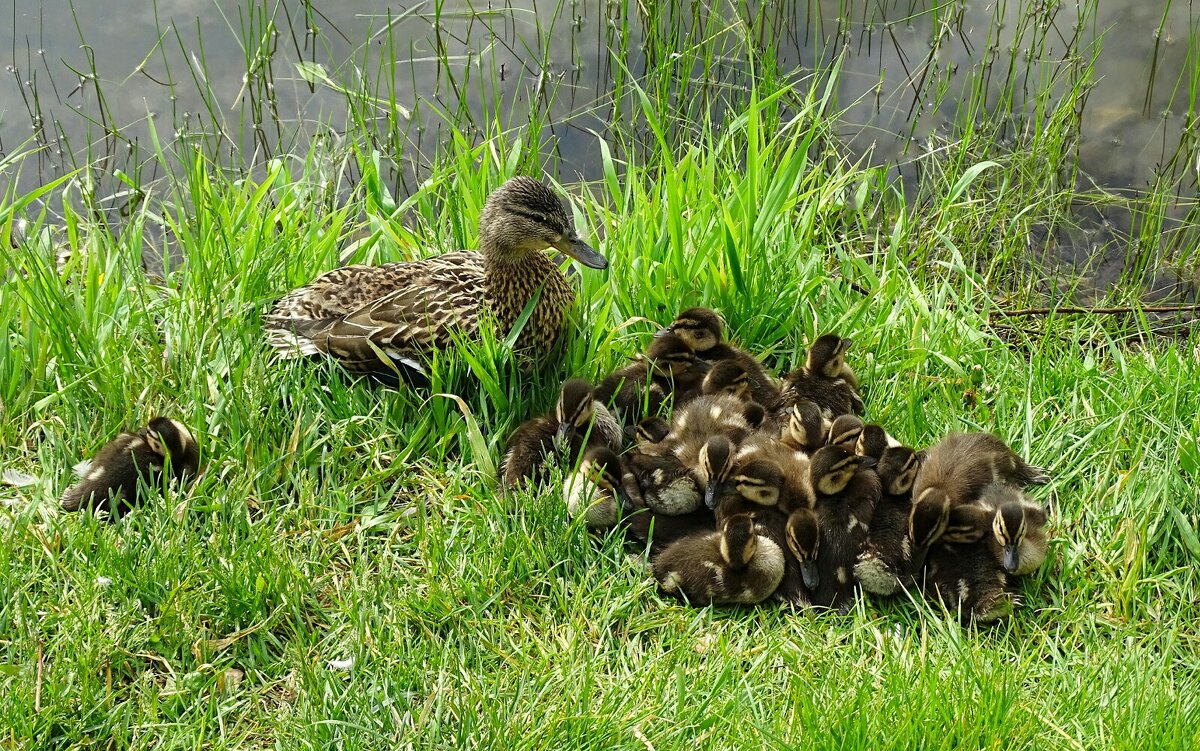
x=88, y=81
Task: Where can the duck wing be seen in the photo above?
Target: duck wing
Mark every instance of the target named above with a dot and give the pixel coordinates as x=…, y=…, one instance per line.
x=376, y=318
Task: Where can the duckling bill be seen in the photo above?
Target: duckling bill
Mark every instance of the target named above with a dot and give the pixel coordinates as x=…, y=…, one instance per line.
x=131, y=465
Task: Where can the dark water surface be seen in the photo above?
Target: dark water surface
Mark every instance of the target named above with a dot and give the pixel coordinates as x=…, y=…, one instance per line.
x=87, y=80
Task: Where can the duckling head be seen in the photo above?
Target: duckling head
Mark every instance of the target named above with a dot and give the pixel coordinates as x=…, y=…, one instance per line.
x=701, y=328
x=671, y=355
x=967, y=523
x=872, y=441
x=524, y=216
x=897, y=469
x=803, y=539
x=806, y=424
x=926, y=522
x=739, y=540
x=727, y=377
x=651, y=430
x=574, y=409
x=758, y=481
x=832, y=468
x=603, y=468
x=1009, y=525
x=827, y=355
x=716, y=462
x=845, y=431
x=171, y=439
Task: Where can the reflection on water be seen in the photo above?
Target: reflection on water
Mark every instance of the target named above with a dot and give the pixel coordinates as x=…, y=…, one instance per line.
x=91, y=79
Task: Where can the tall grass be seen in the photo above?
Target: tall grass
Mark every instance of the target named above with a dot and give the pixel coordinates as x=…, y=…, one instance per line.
x=344, y=573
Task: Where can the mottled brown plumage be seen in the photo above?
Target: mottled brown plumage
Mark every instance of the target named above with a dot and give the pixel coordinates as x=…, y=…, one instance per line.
x=825, y=378
x=385, y=320
x=736, y=565
x=961, y=465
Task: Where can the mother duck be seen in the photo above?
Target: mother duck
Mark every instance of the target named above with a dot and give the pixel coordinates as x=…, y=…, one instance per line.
x=384, y=320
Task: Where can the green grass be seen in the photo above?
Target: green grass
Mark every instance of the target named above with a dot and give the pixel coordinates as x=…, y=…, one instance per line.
x=342, y=522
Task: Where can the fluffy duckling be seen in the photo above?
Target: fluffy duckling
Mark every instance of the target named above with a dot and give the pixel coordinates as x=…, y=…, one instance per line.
x=112, y=480
x=803, y=533
x=967, y=579
x=874, y=440
x=650, y=433
x=736, y=565
x=703, y=329
x=597, y=489
x=711, y=415
x=807, y=429
x=796, y=490
x=961, y=465
x=665, y=485
x=727, y=377
x=669, y=368
x=578, y=421
x=887, y=563
x=1013, y=527
x=384, y=320
x=845, y=431
x=825, y=379
x=847, y=492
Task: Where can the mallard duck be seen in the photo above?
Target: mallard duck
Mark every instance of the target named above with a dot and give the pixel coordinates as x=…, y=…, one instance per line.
x=669, y=368
x=579, y=420
x=806, y=429
x=796, y=489
x=887, y=563
x=597, y=489
x=111, y=481
x=962, y=464
x=845, y=431
x=736, y=565
x=803, y=534
x=384, y=320
x=966, y=579
x=1013, y=526
x=704, y=330
x=847, y=491
x=825, y=379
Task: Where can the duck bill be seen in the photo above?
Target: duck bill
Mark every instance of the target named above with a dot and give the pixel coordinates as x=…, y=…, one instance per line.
x=808, y=570
x=662, y=332
x=869, y=462
x=583, y=253
x=626, y=503
x=1010, y=558
x=562, y=436
x=710, y=495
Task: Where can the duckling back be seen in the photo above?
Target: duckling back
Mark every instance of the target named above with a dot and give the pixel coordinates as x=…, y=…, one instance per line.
x=735, y=565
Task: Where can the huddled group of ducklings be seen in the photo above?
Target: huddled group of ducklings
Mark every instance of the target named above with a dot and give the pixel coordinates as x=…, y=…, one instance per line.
x=746, y=488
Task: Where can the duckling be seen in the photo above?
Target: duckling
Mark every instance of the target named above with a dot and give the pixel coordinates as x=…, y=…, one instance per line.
x=1013, y=527
x=579, y=420
x=967, y=579
x=873, y=441
x=385, y=320
x=703, y=329
x=803, y=534
x=664, y=484
x=110, y=481
x=736, y=565
x=807, y=429
x=707, y=416
x=962, y=464
x=727, y=377
x=597, y=489
x=796, y=489
x=887, y=563
x=847, y=491
x=845, y=431
x=825, y=379
x=669, y=368
x=650, y=432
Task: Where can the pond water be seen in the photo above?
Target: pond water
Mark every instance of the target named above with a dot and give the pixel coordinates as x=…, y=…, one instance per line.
x=87, y=79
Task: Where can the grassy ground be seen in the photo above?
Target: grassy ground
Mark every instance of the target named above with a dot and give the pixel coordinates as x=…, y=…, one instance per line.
x=345, y=576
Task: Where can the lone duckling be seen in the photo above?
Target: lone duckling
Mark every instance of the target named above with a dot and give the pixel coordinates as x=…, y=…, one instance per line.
x=736, y=565
x=112, y=481
x=825, y=378
x=385, y=320
x=703, y=329
x=579, y=420
x=597, y=489
x=961, y=465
